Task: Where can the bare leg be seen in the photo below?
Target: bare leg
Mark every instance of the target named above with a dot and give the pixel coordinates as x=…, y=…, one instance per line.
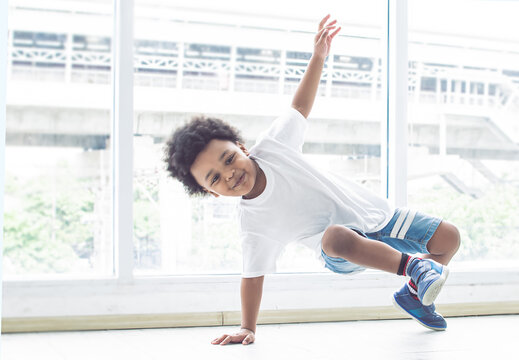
x=444, y=243
x=339, y=241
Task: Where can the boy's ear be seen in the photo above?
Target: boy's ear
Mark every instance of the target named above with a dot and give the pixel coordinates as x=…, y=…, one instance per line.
x=243, y=148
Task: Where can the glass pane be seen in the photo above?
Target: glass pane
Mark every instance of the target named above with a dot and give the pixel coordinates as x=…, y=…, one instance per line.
x=58, y=212
x=244, y=69
x=463, y=131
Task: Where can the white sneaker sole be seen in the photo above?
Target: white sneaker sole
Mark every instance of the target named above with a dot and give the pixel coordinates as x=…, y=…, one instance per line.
x=432, y=292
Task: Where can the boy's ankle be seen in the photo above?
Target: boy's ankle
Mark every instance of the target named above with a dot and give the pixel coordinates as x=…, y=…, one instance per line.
x=406, y=263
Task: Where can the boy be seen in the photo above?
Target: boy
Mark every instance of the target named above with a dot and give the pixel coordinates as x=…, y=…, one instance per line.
x=285, y=199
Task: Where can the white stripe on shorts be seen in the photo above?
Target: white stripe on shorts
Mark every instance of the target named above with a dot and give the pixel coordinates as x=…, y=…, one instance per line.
x=407, y=224
x=399, y=222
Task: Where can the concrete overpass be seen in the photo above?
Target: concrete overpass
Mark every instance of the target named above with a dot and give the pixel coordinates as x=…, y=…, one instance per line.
x=242, y=69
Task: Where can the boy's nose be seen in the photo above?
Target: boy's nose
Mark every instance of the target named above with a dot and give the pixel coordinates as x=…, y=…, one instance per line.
x=230, y=174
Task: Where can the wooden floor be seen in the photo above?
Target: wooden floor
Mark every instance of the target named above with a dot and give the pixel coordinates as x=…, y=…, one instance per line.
x=484, y=337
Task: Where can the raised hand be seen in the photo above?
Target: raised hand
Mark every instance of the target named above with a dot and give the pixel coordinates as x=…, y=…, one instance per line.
x=245, y=336
x=323, y=38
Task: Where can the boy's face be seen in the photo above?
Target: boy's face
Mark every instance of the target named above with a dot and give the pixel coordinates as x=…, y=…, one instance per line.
x=221, y=165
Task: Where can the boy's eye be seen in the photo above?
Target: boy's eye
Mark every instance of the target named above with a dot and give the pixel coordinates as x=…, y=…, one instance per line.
x=229, y=160
x=214, y=179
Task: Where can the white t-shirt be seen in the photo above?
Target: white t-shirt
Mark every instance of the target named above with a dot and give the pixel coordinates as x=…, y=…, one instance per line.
x=299, y=202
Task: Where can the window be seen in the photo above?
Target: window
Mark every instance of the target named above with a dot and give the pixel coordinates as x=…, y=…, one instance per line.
x=243, y=68
x=189, y=60
x=463, y=134
x=58, y=165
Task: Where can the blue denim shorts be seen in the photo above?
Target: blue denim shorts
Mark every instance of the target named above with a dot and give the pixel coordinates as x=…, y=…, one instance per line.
x=409, y=231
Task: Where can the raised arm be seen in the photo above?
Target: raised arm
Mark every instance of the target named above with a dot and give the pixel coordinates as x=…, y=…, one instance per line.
x=307, y=89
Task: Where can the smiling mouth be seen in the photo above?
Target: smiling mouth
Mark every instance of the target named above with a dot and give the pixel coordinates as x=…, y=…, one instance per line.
x=240, y=180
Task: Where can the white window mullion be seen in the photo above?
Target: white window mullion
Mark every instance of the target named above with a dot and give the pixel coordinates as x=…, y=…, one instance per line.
x=394, y=138
x=123, y=139
x=384, y=110
x=3, y=115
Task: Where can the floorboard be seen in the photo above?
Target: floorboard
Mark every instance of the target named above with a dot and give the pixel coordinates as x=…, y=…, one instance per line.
x=483, y=337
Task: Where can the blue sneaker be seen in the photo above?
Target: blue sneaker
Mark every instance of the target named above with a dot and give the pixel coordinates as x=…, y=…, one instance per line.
x=425, y=315
x=429, y=276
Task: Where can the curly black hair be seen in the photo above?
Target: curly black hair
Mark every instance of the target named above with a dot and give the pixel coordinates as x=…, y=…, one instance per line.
x=186, y=142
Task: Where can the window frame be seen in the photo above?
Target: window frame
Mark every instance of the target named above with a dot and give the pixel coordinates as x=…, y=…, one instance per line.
x=3, y=116
x=123, y=293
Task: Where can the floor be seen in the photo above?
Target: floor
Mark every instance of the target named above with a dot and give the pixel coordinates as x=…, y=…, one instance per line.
x=483, y=337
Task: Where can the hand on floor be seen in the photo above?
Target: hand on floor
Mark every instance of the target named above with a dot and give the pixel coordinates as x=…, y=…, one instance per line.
x=245, y=336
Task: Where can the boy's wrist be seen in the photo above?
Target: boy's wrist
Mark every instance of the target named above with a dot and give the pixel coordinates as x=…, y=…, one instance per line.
x=318, y=57
x=252, y=331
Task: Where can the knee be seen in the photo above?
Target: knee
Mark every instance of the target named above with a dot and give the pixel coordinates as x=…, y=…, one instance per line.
x=338, y=241
x=454, y=236
x=445, y=241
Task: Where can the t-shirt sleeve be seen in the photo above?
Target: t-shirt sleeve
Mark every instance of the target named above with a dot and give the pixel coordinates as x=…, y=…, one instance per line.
x=259, y=255
x=289, y=129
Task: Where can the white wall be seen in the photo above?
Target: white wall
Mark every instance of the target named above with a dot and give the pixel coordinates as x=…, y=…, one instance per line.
x=199, y=294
